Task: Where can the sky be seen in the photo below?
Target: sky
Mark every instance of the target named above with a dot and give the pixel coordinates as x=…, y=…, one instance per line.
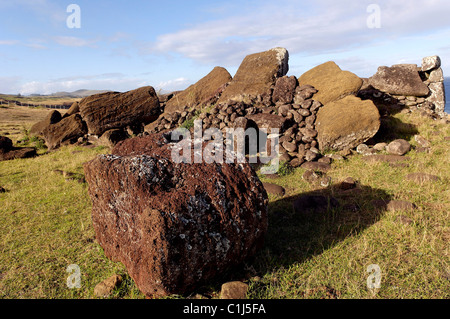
x=121, y=45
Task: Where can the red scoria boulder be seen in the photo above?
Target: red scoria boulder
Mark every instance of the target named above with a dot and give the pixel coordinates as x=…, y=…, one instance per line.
x=174, y=225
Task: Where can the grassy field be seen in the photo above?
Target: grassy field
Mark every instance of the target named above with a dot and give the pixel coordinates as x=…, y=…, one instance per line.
x=39, y=100
x=45, y=226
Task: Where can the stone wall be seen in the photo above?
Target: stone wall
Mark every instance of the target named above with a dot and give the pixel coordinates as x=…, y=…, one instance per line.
x=410, y=86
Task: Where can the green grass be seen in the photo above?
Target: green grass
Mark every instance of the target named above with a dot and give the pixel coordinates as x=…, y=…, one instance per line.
x=45, y=226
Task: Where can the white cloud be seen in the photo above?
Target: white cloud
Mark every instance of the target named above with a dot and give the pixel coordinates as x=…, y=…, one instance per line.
x=9, y=42
x=73, y=41
x=174, y=85
x=324, y=26
x=107, y=81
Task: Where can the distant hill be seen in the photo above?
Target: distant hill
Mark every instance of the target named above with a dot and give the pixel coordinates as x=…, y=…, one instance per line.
x=78, y=93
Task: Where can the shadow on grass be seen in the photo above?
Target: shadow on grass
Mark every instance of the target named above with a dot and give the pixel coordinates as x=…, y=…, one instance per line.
x=322, y=218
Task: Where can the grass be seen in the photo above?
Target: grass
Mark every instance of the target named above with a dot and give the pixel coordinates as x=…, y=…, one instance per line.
x=45, y=226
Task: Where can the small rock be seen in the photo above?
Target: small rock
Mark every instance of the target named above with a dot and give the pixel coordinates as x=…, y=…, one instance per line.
x=310, y=176
x=2, y=190
x=385, y=158
x=404, y=220
x=362, y=148
x=398, y=147
x=326, y=160
x=274, y=189
x=234, y=290
x=106, y=287
x=316, y=166
x=421, y=149
x=380, y=147
x=325, y=181
x=399, y=205
x=421, y=141
x=348, y=183
x=296, y=162
x=421, y=177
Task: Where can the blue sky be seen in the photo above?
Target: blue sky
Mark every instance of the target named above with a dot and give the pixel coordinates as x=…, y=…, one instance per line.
x=125, y=44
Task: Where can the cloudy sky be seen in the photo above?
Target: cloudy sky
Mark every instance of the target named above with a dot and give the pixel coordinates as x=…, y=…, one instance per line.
x=124, y=44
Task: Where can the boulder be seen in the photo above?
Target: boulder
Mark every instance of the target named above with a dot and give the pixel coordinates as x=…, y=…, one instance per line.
x=421, y=177
x=66, y=131
x=5, y=144
x=110, y=110
x=331, y=82
x=437, y=96
x=274, y=189
x=9, y=152
x=436, y=76
x=74, y=109
x=399, y=80
x=52, y=118
x=256, y=75
x=398, y=147
x=346, y=123
x=234, y=290
x=174, y=225
x=430, y=63
x=284, y=89
x=205, y=90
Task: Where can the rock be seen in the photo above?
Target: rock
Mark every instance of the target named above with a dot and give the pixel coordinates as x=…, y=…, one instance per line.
x=314, y=203
x=52, y=118
x=325, y=159
x=346, y=123
x=348, y=183
x=310, y=176
x=362, y=148
x=111, y=137
x=6, y=144
x=311, y=156
x=269, y=121
x=256, y=75
x=174, y=226
x=385, y=158
x=66, y=131
x=380, y=147
x=331, y=82
x=398, y=147
x=431, y=63
x=421, y=177
x=284, y=89
x=106, y=287
x=2, y=190
x=422, y=141
x=399, y=205
x=106, y=111
x=274, y=189
x=296, y=162
x=74, y=109
x=234, y=290
x=437, y=96
x=18, y=153
x=200, y=93
x=290, y=147
x=436, y=76
x=316, y=166
x=399, y=80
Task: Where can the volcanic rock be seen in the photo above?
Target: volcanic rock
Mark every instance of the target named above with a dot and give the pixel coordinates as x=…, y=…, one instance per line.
x=174, y=225
x=399, y=80
x=256, y=75
x=201, y=92
x=331, y=82
x=52, y=118
x=66, y=131
x=346, y=123
x=110, y=110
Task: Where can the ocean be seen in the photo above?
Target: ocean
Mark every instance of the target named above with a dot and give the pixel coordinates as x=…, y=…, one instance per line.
x=447, y=95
